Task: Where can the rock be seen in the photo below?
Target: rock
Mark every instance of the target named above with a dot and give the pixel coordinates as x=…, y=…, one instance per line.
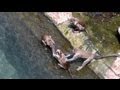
x=59, y=17
x=106, y=70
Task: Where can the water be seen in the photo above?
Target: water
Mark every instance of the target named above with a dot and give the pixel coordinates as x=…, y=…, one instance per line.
x=22, y=56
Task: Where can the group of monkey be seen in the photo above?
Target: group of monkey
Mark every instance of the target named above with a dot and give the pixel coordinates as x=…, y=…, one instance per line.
x=64, y=60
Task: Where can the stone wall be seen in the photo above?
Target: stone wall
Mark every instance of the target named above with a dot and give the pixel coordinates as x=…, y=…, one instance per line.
x=104, y=68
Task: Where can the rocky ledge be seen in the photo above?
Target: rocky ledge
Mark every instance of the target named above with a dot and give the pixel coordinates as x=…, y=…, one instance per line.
x=105, y=68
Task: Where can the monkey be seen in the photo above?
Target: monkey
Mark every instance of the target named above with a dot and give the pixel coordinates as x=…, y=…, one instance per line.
x=77, y=25
x=59, y=55
x=47, y=40
x=78, y=53
x=89, y=56
x=56, y=53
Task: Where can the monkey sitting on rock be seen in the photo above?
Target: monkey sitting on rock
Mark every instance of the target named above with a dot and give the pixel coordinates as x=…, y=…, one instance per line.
x=48, y=41
x=77, y=25
x=57, y=53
